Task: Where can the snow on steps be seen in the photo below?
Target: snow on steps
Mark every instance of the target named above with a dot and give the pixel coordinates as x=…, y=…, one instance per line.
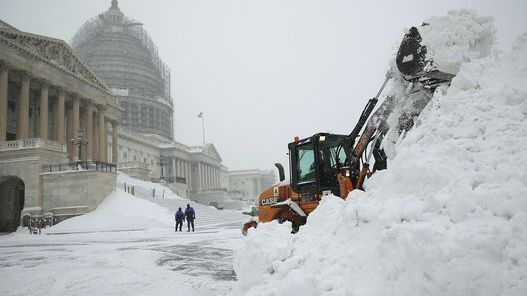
x=121, y=211
x=205, y=215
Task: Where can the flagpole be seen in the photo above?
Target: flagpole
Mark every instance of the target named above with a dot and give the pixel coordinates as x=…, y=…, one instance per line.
x=203, y=126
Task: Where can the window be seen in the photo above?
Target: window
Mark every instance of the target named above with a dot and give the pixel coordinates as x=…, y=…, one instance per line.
x=333, y=158
x=328, y=160
x=306, y=163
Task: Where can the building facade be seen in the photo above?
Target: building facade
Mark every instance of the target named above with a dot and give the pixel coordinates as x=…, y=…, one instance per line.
x=248, y=184
x=49, y=100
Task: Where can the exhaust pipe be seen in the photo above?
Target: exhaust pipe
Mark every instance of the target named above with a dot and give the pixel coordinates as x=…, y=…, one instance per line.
x=281, y=173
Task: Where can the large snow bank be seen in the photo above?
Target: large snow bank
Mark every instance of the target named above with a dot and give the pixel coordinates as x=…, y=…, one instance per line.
x=457, y=38
x=119, y=211
x=448, y=217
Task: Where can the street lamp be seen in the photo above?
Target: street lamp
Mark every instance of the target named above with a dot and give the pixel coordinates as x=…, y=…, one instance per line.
x=80, y=142
x=161, y=164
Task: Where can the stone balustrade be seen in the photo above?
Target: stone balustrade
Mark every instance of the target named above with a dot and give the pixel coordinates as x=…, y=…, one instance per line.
x=133, y=164
x=33, y=143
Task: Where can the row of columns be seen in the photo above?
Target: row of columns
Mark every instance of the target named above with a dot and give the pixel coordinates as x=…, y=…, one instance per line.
x=181, y=168
x=96, y=131
x=209, y=176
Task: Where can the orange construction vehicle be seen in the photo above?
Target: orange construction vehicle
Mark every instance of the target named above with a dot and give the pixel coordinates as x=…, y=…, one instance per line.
x=337, y=164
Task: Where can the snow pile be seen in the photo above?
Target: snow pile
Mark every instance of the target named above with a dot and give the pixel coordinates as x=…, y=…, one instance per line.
x=119, y=211
x=448, y=217
x=123, y=211
x=457, y=38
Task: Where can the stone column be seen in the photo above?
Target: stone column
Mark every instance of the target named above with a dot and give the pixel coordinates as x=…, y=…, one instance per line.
x=89, y=130
x=43, y=124
x=22, y=124
x=204, y=176
x=213, y=173
x=212, y=177
x=189, y=181
x=205, y=179
x=206, y=170
x=174, y=173
x=209, y=183
x=3, y=101
x=189, y=175
x=102, y=135
x=207, y=176
x=178, y=168
x=75, y=111
x=216, y=183
x=211, y=180
x=59, y=115
x=115, y=155
x=95, y=137
x=200, y=177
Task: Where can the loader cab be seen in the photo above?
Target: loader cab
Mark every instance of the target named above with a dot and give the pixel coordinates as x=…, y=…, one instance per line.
x=313, y=165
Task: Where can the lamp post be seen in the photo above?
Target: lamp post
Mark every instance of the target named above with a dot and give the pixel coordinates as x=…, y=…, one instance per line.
x=161, y=164
x=80, y=142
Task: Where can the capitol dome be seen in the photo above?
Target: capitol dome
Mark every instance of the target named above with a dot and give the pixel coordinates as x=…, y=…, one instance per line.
x=120, y=51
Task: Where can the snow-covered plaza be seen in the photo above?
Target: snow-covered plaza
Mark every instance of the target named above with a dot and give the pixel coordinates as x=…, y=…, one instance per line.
x=127, y=246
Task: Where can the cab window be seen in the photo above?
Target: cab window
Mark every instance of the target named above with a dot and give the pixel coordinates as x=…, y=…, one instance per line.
x=306, y=163
x=341, y=156
x=328, y=161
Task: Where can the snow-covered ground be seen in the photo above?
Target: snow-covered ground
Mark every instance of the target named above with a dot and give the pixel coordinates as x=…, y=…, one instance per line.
x=127, y=246
x=449, y=215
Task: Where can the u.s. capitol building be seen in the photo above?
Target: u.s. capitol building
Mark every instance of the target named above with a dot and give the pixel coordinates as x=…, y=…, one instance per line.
x=121, y=52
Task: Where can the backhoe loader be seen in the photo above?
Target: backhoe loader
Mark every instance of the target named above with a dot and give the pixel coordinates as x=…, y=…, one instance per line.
x=327, y=163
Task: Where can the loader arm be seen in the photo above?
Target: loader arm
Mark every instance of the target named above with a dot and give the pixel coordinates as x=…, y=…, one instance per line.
x=421, y=83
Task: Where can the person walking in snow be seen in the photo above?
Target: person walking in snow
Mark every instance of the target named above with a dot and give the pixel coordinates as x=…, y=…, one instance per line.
x=190, y=215
x=179, y=219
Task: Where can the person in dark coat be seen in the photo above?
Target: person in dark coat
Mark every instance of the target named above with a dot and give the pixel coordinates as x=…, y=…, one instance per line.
x=190, y=215
x=179, y=219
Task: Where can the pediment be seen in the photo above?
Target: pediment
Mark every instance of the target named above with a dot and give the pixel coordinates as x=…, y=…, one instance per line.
x=211, y=151
x=54, y=51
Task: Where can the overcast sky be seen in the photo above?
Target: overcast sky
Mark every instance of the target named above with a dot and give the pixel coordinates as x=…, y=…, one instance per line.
x=265, y=71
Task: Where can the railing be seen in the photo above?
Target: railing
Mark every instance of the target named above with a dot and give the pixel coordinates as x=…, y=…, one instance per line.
x=133, y=164
x=180, y=180
x=33, y=143
x=80, y=166
x=143, y=192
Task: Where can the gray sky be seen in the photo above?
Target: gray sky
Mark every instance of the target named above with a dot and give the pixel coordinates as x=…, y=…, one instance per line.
x=265, y=71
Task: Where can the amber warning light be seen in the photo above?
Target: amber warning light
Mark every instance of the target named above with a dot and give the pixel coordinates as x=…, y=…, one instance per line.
x=296, y=138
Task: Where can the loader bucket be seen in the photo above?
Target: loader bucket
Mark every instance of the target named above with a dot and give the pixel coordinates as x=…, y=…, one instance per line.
x=411, y=56
x=413, y=64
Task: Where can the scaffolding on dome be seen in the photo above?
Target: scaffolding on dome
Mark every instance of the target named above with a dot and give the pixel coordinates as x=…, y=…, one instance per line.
x=89, y=29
